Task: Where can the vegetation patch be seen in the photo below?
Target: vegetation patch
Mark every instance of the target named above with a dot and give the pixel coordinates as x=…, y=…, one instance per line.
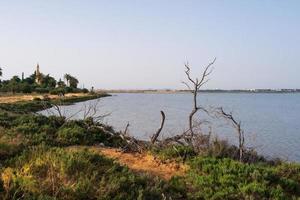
x=54, y=173
x=213, y=178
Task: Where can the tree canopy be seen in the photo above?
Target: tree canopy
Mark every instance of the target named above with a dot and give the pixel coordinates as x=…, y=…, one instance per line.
x=48, y=84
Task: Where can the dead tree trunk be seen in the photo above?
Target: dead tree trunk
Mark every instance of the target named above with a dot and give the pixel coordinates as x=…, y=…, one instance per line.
x=237, y=126
x=155, y=136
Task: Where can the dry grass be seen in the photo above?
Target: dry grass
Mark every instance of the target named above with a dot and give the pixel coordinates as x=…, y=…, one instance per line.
x=144, y=163
x=30, y=97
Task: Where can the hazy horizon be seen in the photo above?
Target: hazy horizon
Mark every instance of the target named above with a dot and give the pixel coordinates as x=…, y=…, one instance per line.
x=144, y=44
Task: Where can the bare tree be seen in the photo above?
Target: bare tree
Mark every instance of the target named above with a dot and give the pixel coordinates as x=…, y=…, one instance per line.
x=53, y=108
x=88, y=110
x=92, y=110
x=187, y=137
x=56, y=107
x=194, y=86
x=237, y=125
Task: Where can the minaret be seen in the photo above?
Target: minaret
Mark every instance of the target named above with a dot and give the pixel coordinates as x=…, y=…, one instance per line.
x=38, y=77
x=38, y=69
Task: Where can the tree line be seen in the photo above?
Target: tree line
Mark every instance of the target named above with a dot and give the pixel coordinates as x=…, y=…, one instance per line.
x=47, y=84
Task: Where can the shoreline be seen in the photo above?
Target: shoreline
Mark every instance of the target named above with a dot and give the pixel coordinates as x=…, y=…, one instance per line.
x=15, y=98
x=37, y=148
x=35, y=103
x=201, y=91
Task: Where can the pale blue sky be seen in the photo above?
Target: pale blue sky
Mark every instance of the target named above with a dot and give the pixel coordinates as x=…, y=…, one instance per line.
x=131, y=44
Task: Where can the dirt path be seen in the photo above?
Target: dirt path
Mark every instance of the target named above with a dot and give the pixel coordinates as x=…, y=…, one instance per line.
x=142, y=162
x=30, y=97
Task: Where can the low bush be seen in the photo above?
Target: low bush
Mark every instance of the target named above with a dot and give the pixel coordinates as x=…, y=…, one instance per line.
x=84, y=90
x=8, y=150
x=71, y=135
x=174, y=152
x=54, y=173
x=25, y=107
x=42, y=90
x=57, y=91
x=213, y=178
x=54, y=130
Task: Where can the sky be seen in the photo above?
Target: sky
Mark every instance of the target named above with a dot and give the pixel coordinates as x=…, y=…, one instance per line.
x=143, y=44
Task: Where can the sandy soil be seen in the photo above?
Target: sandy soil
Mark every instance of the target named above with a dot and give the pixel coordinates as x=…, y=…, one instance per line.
x=16, y=98
x=145, y=163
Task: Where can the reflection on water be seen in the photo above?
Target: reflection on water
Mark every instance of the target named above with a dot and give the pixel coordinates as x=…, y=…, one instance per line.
x=271, y=121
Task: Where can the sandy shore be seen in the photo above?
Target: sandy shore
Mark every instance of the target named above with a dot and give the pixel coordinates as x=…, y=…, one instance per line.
x=30, y=97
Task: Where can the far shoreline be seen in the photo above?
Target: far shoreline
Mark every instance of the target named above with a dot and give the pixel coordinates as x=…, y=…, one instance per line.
x=255, y=91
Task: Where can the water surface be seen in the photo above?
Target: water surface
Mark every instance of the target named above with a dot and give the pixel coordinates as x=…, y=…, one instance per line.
x=271, y=121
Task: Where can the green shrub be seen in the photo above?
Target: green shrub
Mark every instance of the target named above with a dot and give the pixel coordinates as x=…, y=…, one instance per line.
x=69, y=89
x=6, y=119
x=66, y=174
x=177, y=152
x=58, y=91
x=8, y=150
x=84, y=90
x=35, y=129
x=215, y=178
x=71, y=135
x=42, y=90
x=25, y=107
x=54, y=130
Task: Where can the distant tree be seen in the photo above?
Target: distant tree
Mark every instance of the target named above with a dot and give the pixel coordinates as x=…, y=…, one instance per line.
x=45, y=84
x=31, y=79
x=67, y=78
x=0, y=76
x=15, y=79
x=48, y=82
x=14, y=84
x=73, y=82
x=61, y=83
x=25, y=87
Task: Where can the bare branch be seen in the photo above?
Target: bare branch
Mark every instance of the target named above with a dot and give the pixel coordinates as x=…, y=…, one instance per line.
x=187, y=72
x=126, y=128
x=237, y=126
x=132, y=144
x=187, y=85
x=208, y=70
x=57, y=108
x=155, y=136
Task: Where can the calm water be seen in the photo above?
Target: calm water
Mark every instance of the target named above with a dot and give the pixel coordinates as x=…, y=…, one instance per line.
x=271, y=121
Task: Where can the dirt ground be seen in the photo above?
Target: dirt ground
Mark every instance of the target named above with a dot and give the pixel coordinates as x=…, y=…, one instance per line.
x=145, y=163
x=29, y=97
